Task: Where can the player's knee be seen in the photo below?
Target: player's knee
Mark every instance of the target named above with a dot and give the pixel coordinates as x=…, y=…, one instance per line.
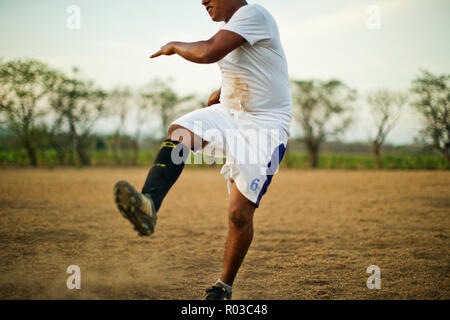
x=240, y=217
x=180, y=134
x=174, y=132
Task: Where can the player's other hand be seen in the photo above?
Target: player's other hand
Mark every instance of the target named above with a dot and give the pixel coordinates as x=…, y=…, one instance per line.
x=214, y=98
x=166, y=50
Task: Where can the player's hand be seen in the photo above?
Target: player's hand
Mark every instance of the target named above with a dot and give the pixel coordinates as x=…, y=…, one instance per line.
x=214, y=98
x=167, y=50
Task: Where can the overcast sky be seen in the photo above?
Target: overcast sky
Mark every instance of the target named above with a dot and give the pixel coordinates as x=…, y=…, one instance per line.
x=322, y=39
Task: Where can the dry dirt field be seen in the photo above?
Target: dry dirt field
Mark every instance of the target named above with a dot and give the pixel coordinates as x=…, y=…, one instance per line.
x=315, y=235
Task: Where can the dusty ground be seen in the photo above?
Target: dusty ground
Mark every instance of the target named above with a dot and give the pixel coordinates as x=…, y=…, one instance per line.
x=316, y=233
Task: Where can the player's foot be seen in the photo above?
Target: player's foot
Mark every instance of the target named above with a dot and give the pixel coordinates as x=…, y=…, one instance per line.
x=136, y=208
x=217, y=292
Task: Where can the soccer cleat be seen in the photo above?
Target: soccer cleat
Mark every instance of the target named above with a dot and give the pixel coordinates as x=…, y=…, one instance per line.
x=217, y=292
x=136, y=208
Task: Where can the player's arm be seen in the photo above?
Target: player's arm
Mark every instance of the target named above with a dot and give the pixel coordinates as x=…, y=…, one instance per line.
x=214, y=98
x=209, y=51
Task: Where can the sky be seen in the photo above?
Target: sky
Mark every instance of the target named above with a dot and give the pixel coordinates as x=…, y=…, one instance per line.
x=323, y=39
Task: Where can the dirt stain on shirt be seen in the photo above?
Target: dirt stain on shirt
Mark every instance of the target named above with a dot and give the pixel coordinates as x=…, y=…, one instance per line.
x=238, y=94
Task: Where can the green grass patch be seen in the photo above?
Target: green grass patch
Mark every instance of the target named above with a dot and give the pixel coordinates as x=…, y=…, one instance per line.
x=296, y=160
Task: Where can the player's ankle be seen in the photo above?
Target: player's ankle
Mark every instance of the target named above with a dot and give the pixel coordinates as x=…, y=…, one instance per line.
x=226, y=286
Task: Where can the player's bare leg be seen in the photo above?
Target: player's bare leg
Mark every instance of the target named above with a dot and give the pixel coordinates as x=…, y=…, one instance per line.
x=240, y=236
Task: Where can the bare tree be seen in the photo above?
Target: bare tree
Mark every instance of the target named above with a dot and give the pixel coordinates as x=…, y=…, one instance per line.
x=386, y=107
x=143, y=105
x=432, y=100
x=60, y=141
x=323, y=110
x=24, y=85
x=118, y=101
x=164, y=101
x=79, y=104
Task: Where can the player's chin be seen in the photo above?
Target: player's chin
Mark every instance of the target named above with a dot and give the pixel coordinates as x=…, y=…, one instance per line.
x=214, y=18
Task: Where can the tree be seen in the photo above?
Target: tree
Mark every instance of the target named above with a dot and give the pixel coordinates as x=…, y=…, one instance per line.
x=164, y=101
x=143, y=105
x=118, y=101
x=78, y=104
x=432, y=100
x=59, y=141
x=385, y=107
x=24, y=85
x=322, y=110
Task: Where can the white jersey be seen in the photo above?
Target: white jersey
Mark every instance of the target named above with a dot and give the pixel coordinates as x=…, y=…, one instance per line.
x=250, y=125
x=255, y=76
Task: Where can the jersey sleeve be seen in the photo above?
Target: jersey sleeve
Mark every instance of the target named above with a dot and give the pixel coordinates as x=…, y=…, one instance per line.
x=250, y=24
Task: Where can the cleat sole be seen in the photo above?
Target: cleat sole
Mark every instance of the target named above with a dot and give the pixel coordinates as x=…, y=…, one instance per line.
x=130, y=204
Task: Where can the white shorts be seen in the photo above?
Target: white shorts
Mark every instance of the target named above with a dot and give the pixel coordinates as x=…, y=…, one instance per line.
x=252, y=144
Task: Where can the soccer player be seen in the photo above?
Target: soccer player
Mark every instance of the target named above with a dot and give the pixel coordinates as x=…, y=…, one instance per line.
x=254, y=98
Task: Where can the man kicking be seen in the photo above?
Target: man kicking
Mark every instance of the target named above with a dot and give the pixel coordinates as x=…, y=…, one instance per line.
x=251, y=112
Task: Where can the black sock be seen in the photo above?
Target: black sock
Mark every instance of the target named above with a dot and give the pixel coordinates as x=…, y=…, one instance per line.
x=165, y=171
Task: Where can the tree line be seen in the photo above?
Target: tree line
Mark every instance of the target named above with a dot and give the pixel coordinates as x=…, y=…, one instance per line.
x=37, y=100
x=325, y=109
